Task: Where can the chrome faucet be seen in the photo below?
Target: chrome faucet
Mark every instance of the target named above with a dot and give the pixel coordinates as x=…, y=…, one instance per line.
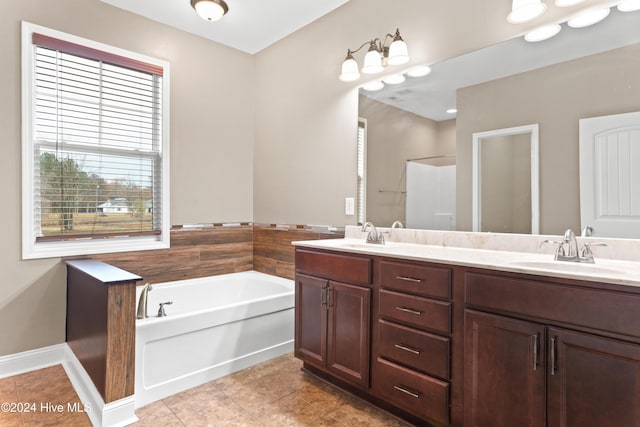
x=373, y=236
x=572, y=252
x=397, y=224
x=142, y=302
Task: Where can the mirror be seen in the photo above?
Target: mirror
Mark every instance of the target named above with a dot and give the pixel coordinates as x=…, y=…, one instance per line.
x=505, y=180
x=580, y=73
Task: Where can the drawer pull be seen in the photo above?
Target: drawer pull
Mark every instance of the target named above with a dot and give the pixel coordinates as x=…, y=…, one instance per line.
x=409, y=349
x=408, y=310
x=409, y=279
x=404, y=390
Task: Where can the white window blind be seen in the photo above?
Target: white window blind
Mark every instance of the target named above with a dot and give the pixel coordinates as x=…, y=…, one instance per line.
x=96, y=146
x=362, y=165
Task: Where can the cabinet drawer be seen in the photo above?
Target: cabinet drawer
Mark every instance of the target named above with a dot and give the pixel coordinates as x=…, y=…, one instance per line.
x=416, y=279
x=343, y=268
x=416, y=311
x=419, y=350
x=418, y=394
x=575, y=305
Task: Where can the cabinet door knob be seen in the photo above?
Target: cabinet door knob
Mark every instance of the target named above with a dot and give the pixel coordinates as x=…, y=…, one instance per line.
x=409, y=310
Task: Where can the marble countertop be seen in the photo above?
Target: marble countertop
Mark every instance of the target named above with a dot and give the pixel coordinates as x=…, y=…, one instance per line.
x=603, y=270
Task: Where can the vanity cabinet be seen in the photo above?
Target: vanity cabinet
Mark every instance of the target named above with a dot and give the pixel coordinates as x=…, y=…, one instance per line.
x=546, y=355
x=412, y=367
x=332, y=321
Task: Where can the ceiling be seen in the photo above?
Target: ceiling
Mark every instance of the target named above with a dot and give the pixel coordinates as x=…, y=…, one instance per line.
x=249, y=26
x=432, y=95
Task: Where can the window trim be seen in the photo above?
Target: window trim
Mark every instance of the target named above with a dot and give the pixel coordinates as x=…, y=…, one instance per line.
x=32, y=249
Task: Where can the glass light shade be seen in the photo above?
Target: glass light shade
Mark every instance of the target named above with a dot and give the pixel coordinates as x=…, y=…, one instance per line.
x=394, y=79
x=398, y=53
x=349, y=70
x=372, y=62
x=629, y=5
x=210, y=10
x=567, y=3
x=419, y=71
x=589, y=17
x=452, y=110
x=525, y=10
x=543, y=33
x=373, y=86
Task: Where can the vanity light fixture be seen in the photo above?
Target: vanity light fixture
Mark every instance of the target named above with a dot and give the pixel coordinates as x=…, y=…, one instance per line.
x=629, y=5
x=567, y=3
x=210, y=10
x=589, y=17
x=542, y=33
x=377, y=57
x=525, y=10
x=452, y=110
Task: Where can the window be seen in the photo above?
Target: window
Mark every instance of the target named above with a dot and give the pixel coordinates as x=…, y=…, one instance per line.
x=362, y=168
x=95, y=147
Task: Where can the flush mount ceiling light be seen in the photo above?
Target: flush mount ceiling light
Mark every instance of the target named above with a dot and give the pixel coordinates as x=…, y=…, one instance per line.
x=210, y=10
x=543, y=33
x=567, y=3
x=378, y=56
x=525, y=10
x=629, y=5
x=589, y=17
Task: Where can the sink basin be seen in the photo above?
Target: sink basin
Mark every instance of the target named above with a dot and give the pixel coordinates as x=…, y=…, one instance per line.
x=566, y=266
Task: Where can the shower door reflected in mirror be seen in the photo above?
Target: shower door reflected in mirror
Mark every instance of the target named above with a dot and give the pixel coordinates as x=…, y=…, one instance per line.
x=505, y=180
x=431, y=193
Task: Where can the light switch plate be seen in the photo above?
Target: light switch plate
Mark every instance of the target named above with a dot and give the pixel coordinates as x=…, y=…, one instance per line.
x=349, y=206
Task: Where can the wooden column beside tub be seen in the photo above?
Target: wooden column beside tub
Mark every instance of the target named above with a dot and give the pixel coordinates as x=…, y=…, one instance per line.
x=445, y=344
x=101, y=324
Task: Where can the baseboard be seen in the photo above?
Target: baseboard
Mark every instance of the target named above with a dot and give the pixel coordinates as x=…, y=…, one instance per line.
x=31, y=360
x=113, y=414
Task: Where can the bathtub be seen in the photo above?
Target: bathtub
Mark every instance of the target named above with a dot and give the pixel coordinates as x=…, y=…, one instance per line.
x=215, y=326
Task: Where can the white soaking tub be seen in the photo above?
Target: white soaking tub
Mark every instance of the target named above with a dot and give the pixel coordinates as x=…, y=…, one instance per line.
x=215, y=326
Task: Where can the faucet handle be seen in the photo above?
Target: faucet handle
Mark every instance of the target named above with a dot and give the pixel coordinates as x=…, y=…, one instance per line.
x=560, y=249
x=587, y=254
x=161, y=312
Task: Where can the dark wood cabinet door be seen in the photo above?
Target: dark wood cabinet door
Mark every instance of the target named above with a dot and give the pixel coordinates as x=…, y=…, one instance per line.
x=311, y=319
x=504, y=373
x=348, y=332
x=592, y=381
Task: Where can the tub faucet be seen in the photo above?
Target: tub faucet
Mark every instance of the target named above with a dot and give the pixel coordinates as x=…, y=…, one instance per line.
x=142, y=302
x=373, y=236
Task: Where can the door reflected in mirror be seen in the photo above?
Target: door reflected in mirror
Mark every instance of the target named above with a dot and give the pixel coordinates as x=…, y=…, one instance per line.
x=505, y=180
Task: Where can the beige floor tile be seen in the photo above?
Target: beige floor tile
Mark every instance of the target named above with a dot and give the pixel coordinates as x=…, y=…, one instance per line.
x=288, y=411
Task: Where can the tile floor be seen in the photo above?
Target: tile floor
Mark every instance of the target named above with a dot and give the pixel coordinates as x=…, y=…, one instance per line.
x=273, y=393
